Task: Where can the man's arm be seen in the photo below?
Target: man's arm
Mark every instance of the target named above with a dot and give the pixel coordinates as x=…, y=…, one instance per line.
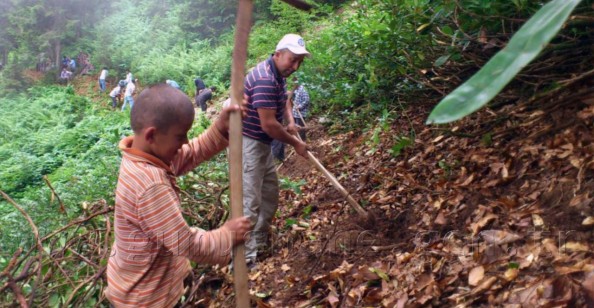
x=276, y=131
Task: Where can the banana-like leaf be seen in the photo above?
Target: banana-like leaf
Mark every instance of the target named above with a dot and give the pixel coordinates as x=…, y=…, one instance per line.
x=523, y=47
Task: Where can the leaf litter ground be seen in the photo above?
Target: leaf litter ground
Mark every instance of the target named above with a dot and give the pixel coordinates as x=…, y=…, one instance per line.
x=464, y=217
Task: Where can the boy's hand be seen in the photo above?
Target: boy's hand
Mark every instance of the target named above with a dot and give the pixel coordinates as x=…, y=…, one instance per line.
x=239, y=228
x=223, y=121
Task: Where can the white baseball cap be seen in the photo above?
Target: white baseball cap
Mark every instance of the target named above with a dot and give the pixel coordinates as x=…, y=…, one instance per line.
x=294, y=43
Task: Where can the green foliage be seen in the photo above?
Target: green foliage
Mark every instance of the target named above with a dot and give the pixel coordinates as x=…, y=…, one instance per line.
x=524, y=46
x=286, y=183
x=50, y=131
x=289, y=222
x=33, y=30
x=360, y=58
x=401, y=143
x=365, y=61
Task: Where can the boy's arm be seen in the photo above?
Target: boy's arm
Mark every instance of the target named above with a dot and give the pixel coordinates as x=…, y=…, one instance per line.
x=160, y=217
x=199, y=149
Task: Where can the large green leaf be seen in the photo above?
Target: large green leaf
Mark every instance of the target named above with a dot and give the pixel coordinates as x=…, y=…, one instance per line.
x=523, y=47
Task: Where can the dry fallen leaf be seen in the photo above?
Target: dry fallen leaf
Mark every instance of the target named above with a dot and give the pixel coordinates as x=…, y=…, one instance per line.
x=484, y=286
x=476, y=227
x=499, y=237
x=440, y=219
x=255, y=275
x=575, y=246
x=285, y=267
x=511, y=274
x=467, y=181
x=580, y=200
x=537, y=220
x=476, y=275
x=588, y=221
x=333, y=300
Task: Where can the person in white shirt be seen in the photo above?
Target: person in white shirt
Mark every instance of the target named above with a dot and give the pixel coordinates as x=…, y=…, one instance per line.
x=115, y=95
x=128, y=94
x=102, y=77
x=128, y=77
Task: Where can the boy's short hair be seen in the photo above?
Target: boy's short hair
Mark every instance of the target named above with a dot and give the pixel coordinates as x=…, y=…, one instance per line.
x=160, y=106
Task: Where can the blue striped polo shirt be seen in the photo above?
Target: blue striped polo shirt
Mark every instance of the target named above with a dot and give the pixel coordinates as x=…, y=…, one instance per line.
x=265, y=88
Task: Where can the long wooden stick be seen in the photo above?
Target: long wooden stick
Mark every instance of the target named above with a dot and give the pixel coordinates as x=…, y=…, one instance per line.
x=242, y=31
x=337, y=185
x=332, y=178
x=62, y=208
x=302, y=119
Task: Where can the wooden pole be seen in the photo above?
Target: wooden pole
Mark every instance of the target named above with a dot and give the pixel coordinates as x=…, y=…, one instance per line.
x=332, y=178
x=337, y=185
x=302, y=119
x=242, y=31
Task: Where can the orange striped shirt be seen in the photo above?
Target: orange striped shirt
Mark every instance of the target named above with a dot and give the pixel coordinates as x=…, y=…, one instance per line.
x=153, y=243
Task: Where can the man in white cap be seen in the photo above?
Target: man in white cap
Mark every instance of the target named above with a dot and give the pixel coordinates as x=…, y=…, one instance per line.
x=265, y=88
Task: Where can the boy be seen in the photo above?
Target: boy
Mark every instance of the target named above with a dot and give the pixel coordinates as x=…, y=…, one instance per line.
x=149, y=258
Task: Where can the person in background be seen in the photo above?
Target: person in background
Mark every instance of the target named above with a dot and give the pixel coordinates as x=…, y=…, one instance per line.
x=300, y=106
x=84, y=62
x=199, y=85
x=65, y=61
x=128, y=94
x=65, y=75
x=72, y=64
x=278, y=147
x=115, y=95
x=204, y=96
x=265, y=87
x=172, y=83
x=102, y=78
x=153, y=245
x=129, y=77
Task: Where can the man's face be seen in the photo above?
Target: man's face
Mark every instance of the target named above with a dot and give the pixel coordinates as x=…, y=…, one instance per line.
x=166, y=144
x=287, y=62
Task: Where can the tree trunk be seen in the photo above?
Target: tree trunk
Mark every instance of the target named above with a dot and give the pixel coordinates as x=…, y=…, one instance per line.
x=57, y=50
x=4, y=56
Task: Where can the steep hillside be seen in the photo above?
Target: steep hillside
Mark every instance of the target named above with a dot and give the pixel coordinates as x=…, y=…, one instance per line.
x=494, y=210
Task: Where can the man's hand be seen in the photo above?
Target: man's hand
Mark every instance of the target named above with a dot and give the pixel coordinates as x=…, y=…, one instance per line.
x=301, y=148
x=239, y=227
x=292, y=128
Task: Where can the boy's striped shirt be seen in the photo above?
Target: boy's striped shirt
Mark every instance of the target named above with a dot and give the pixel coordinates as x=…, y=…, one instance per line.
x=153, y=242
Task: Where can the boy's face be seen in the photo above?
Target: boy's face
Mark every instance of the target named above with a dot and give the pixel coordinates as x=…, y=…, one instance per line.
x=166, y=144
